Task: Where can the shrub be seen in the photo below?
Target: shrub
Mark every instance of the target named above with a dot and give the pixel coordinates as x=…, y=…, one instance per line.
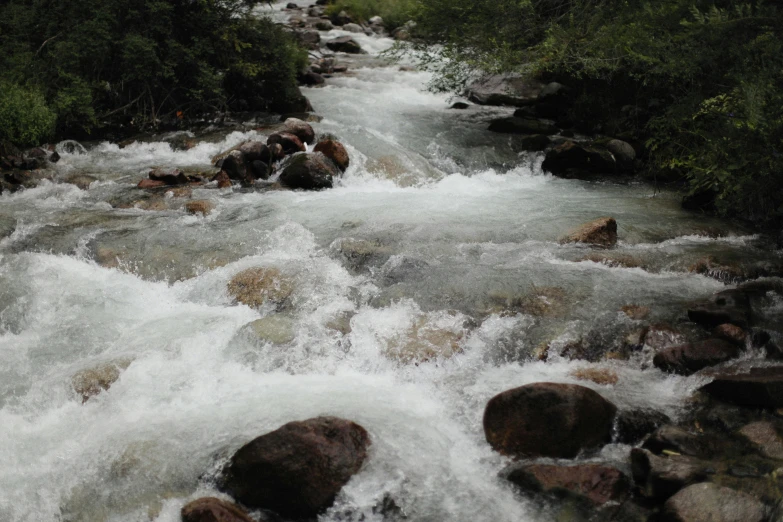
x=25, y=119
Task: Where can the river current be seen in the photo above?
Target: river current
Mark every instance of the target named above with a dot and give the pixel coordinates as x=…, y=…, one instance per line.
x=459, y=224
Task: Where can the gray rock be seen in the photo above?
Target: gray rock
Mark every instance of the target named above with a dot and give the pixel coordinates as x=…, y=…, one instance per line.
x=353, y=28
x=660, y=477
x=344, y=44
x=623, y=153
x=504, y=89
x=712, y=503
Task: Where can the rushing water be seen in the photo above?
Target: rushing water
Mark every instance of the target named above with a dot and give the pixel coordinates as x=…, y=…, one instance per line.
x=461, y=221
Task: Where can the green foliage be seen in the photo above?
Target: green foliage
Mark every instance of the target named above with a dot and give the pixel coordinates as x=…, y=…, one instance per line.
x=137, y=62
x=25, y=119
x=394, y=12
x=700, y=82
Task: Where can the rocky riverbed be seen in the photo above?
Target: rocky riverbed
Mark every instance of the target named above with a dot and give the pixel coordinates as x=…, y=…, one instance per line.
x=380, y=310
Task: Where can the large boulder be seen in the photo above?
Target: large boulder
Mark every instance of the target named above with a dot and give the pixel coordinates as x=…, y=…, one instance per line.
x=90, y=382
x=594, y=482
x=301, y=129
x=335, y=151
x=309, y=171
x=756, y=387
x=256, y=287
x=689, y=358
x=517, y=125
x=573, y=160
x=548, y=420
x=298, y=469
x=235, y=166
x=344, y=44
x=766, y=437
x=623, y=153
x=504, y=89
x=211, y=509
x=661, y=477
x=599, y=232
x=633, y=425
x=713, y=503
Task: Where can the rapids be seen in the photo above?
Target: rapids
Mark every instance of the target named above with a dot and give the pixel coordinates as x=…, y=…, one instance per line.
x=87, y=277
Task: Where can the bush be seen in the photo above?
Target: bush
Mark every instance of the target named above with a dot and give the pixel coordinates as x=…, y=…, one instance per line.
x=138, y=62
x=25, y=119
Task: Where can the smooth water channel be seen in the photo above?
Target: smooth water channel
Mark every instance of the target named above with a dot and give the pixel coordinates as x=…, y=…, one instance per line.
x=457, y=223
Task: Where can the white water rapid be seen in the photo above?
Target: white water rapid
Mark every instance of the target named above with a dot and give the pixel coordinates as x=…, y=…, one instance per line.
x=459, y=222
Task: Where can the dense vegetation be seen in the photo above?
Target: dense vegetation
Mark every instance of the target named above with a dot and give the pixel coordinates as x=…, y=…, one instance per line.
x=394, y=12
x=98, y=63
x=699, y=83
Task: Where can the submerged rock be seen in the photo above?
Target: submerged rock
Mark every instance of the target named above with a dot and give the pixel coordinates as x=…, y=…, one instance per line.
x=309, y=171
x=258, y=286
x=335, y=151
x=728, y=306
x=211, y=509
x=599, y=232
x=199, y=206
x=169, y=176
x=686, y=359
x=596, y=483
x=275, y=329
x=713, y=503
x=424, y=341
x=92, y=381
x=603, y=376
x=83, y=181
x=298, y=469
x=548, y=420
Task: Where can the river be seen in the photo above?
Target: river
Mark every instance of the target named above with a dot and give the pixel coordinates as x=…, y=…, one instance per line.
x=461, y=225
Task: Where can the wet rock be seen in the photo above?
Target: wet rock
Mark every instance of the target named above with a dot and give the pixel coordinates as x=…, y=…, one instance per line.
x=731, y=333
x=670, y=439
x=335, y=151
x=728, y=306
x=631, y=426
x=624, y=154
x=92, y=381
x=689, y=358
x=309, y=171
x=594, y=482
x=615, y=260
x=211, y=509
x=573, y=160
x=661, y=477
x=599, y=232
x=223, y=180
x=290, y=142
x=401, y=269
x=516, y=125
x=324, y=25
x=254, y=151
x=504, y=89
x=179, y=192
x=548, y=420
x=756, y=387
x=459, y=106
x=361, y=252
x=765, y=437
x=713, y=503
x=26, y=178
x=353, y=28
x=534, y=142
x=255, y=287
x=309, y=38
x=275, y=329
x=341, y=18
x=301, y=129
x=169, y=176
x=235, y=166
x=298, y=469
x=199, y=206
x=344, y=44
x=635, y=312
x=147, y=183
x=260, y=170
x=83, y=181
x=603, y=376
x=424, y=341
x=311, y=77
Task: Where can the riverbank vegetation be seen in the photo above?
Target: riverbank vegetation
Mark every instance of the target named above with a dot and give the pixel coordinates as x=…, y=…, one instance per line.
x=98, y=64
x=696, y=85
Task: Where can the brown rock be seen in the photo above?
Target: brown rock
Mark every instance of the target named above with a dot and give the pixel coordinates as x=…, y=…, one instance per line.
x=757, y=387
x=298, y=469
x=599, y=232
x=168, y=176
x=615, y=260
x=211, y=509
x=92, y=381
x=661, y=477
x=83, y=181
x=686, y=359
x=729, y=306
x=712, y=503
x=764, y=435
x=150, y=184
x=290, y=142
x=423, y=342
x=599, y=484
x=257, y=286
x=636, y=312
x=335, y=151
x=548, y=420
x=199, y=206
x=223, y=181
x=631, y=426
x=309, y=171
x=731, y=333
x=603, y=376
x=300, y=129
